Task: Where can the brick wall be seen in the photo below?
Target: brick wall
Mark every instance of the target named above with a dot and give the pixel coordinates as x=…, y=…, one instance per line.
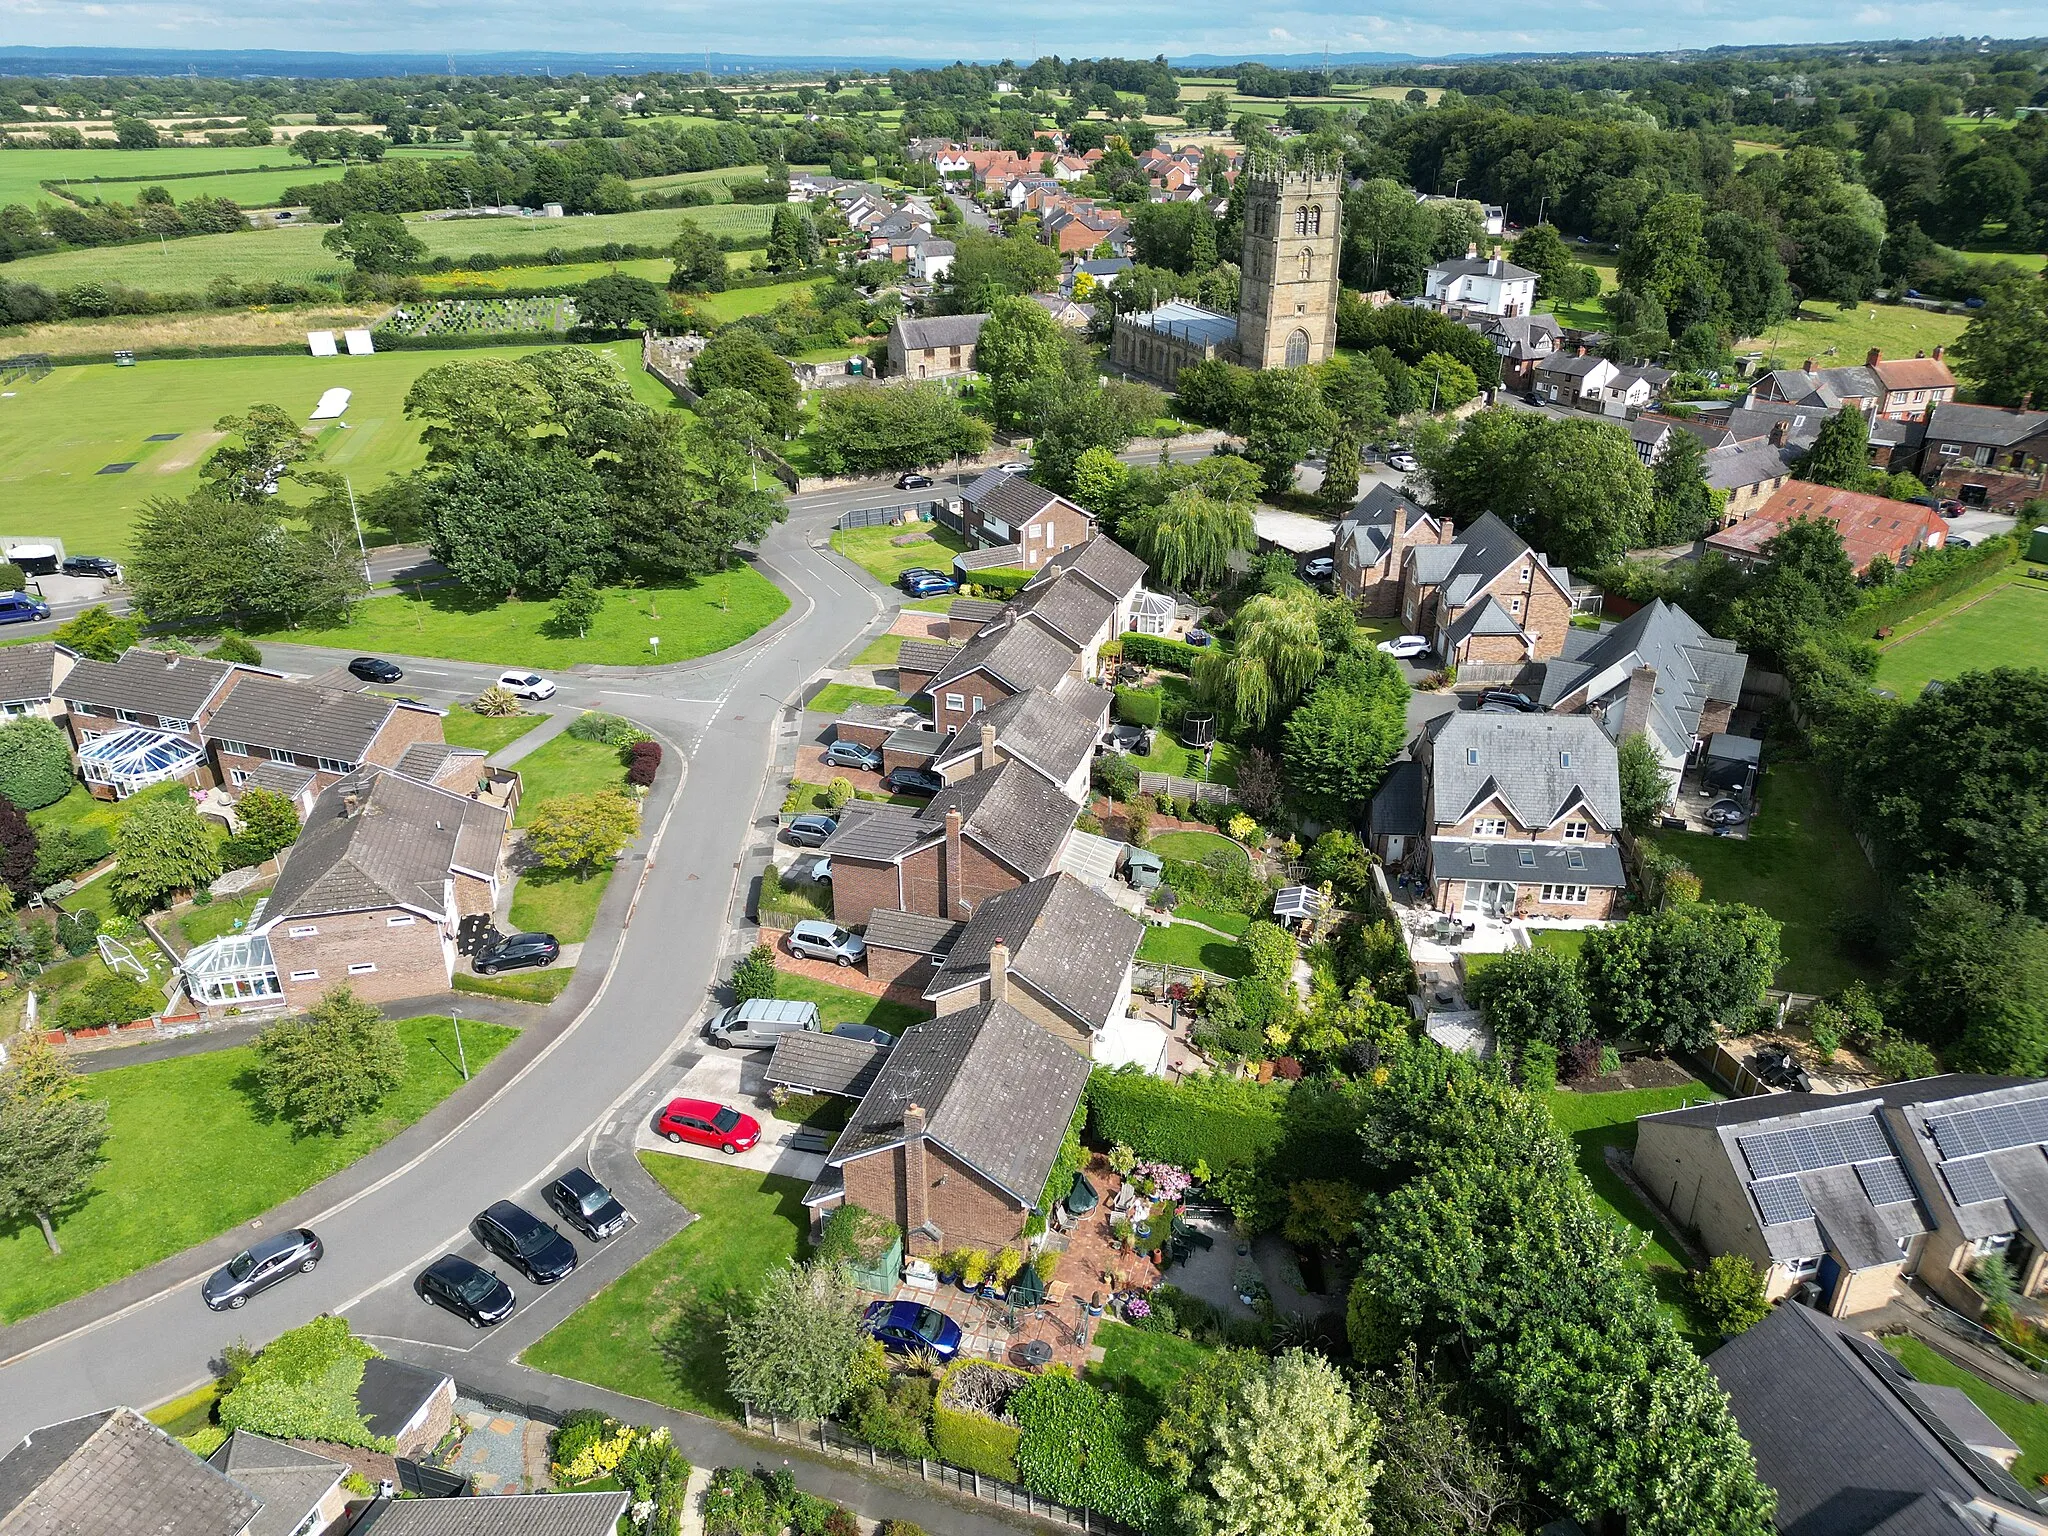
x=1058, y=527
x=967, y=1210
x=410, y=958
x=980, y=877
x=899, y=757
x=897, y=968
x=1599, y=902
x=865, y=735
x=976, y=684
x=859, y=887
x=401, y=730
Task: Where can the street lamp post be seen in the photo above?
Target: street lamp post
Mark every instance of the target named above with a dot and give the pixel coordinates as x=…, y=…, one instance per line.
x=460, y=1054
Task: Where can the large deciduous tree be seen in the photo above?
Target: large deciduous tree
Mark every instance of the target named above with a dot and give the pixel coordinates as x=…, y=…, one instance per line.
x=50, y=1137
x=796, y=1346
x=1644, y=789
x=2005, y=345
x=739, y=357
x=1682, y=505
x=577, y=833
x=1532, y=994
x=1293, y=1455
x=1679, y=977
x=1022, y=352
x=330, y=1068
x=520, y=523
x=261, y=449
x=1336, y=746
x=1187, y=538
x=1283, y=418
x=375, y=243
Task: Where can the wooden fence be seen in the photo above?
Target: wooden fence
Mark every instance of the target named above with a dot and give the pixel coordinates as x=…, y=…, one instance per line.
x=1186, y=789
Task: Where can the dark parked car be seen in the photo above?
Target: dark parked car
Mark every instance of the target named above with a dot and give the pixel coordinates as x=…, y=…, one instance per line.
x=524, y=1241
x=516, y=950
x=810, y=831
x=915, y=573
x=257, y=1269
x=913, y=781
x=91, y=565
x=375, y=669
x=468, y=1290
x=911, y=480
x=932, y=586
x=586, y=1205
x=1509, y=697
x=906, y=1327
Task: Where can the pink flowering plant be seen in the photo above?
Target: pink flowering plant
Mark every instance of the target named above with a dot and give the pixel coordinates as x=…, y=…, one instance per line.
x=1163, y=1181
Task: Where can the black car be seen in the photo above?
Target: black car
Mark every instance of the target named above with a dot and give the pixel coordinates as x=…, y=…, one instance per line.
x=911, y=480
x=257, y=1269
x=524, y=1241
x=586, y=1205
x=468, y=1290
x=1508, y=696
x=91, y=565
x=913, y=781
x=516, y=950
x=916, y=573
x=810, y=831
x=374, y=669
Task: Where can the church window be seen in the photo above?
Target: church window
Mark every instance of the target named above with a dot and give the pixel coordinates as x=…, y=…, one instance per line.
x=1308, y=262
x=1301, y=221
x=1297, y=349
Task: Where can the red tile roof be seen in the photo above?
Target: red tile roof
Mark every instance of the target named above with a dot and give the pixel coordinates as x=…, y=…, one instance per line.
x=1870, y=525
x=1914, y=373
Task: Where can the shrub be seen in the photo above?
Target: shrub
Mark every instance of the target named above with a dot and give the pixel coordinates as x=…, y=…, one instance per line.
x=106, y=1001
x=755, y=976
x=972, y=1425
x=610, y=730
x=303, y=1387
x=1538, y=1066
x=1902, y=1060
x=64, y=851
x=893, y=1415
x=234, y=647
x=497, y=702
x=658, y=1476
x=35, y=763
x=1137, y=706
x=241, y=851
x=1223, y=881
x=1224, y=1122
x=643, y=761
x=78, y=932
x=1116, y=776
x=12, y=577
x=1079, y=1445
x=1138, y=824
x=854, y=1235
x=1729, y=1293
x=899, y=1528
x=837, y=793
x=1157, y=650
x=588, y=1444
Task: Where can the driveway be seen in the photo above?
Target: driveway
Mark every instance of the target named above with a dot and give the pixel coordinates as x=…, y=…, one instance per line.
x=735, y=1078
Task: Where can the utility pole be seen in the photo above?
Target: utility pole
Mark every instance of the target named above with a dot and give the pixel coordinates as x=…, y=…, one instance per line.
x=361, y=548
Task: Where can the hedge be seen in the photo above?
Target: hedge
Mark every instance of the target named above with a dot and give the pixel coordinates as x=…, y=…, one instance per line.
x=1080, y=1445
x=1137, y=706
x=974, y=1440
x=1223, y=1122
x=303, y=1387
x=1932, y=578
x=1158, y=651
x=35, y=763
x=999, y=579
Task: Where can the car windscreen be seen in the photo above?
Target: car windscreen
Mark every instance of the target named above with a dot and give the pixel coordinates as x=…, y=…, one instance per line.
x=595, y=1201
x=240, y=1265
x=725, y=1120
x=930, y=1322
x=477, y=1287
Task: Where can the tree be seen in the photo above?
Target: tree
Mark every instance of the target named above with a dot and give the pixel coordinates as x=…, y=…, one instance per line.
x=136, y=133
x=164, y=849
x=580, y=832
x=1532, y=994
x=506, y=523
x=331, y=1067
x=576, y=605
x=476, y=405
x=877, y=427
x=1282, y=645
x=1336, y=747
x=1972, y=975
x=201, y=560
x=98, y=633
x=262, y=447
x=987, y=266
x=1076, y=415
x=1644, y=789
x=1840, y=454
x=1283, y=417
x=1340, y=471
x=269, y=820
x=1743, y=255
x=376, y=242
x=796, y=1346
x=1574, y=489
x=1187, y=538
x=792, y=239
x=1806, y=584
x=1212, y=391
x=35, y=763
x=1730, y=1293
x=1292, y=1455
x=739, y=358
x=1022, y=352
x=619, y=302
x=755, y=976
x=1679, y=977
x=699, y=260
x=1682, y=506
x=50, y=1136
x=17, y=850
x=1559, y=277
x=1665, y=258
x=2006, y=342
x=1438, y=1476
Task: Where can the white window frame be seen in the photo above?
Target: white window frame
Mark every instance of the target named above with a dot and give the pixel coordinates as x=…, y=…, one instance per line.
x=361, y=967
x=1576, y=831
x=172, y=723
x=1528, y=859
x=305, y=975
x=1477, y=855
x=239, y=776
x=279, y=754
x=233, y=748
x=1802, y=1269
x=1471, y=757
x=1565, y=895
x=980, y=704
x=956, y=701
x=1490, y=826
x=334, y=765
x=127, y=717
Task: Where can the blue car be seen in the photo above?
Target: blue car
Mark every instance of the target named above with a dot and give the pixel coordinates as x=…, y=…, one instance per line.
x=931, y=586
x=905, y=1327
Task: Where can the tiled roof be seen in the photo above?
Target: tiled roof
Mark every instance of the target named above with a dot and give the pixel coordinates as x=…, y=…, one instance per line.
x=810, y=1061
x=911, y=932
x=913, y=740
x=1020, y=654
x=987, y=559
x=939, y=331
x=1012, y=812
x=1870, y=525
x=396, y=845
x=1037, y=727
x=1481, y=266
x=972, y=610
x=1102, y=562
x=287, y=779
x=291, y=1482
x=1741, y=464
x=1013, y=498
x=1914, y=373
x=530, y=1514
x=997, y=1090
x=28, y=672
x=1694, y=669
x=1522, y=759
x=427, y=761
x=114, y=1473
x=926, y=656
x=1073, y=607
x=276, y=712
x=1986, y=424
x=1399, y=805
x=148, y=682
x=1071, y=944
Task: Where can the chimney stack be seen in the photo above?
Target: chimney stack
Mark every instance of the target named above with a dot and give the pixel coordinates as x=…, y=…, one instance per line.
x=916, y=1181
x=951, y=899
x=1807, y=366
x=1472, y=251
x=1635, y=709
x=999, y=972
x=1873, y=357
x=1937, y=353
x=988, y=747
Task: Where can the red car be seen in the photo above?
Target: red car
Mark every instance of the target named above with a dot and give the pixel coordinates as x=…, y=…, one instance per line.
x=709, y=1125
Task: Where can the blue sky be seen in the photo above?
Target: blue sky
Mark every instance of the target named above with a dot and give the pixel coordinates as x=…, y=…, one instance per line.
x=1021, y=29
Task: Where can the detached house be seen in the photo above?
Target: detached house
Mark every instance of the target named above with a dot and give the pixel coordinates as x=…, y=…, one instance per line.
x=1872, y=527
x=1002, y=509
x=1104, y=565
x=31, y=679
x=1485, y=596
x=1000, y=662
x=1522, y=815
x=1522, y=341
x=1371, y=541
x=1489, y=285
x=113, y=1473
x=939, y=347
x=1985, y=456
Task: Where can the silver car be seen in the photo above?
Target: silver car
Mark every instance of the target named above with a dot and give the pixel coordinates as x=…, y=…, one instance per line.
x=816, y=939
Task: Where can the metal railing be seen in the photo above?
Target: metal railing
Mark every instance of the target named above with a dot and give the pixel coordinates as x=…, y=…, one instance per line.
x=1984, y=1338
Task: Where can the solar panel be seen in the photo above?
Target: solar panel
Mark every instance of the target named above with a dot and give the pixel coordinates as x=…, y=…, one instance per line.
x=1780, y=1200
x=1970, y=1179
x=1863, y=1139
x=2035, y=1113
x=1766, y=1156
x=1804, y=1148
x=1884, y=1181
x=1957, y=1135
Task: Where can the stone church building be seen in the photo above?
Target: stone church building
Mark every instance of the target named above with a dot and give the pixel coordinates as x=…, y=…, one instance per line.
x=1287, y=297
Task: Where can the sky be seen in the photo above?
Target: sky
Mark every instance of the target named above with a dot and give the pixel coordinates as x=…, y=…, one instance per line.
x=1021, y=29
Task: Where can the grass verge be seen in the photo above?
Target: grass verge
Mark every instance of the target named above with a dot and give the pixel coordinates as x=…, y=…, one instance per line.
x=487, y=733
x=843, y=1005
x=2026, y=1422
x=876, y=551
x=525, y=987
x=564, y=905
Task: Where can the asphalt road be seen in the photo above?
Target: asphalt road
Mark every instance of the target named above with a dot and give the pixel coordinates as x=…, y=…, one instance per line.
x=510, y=1128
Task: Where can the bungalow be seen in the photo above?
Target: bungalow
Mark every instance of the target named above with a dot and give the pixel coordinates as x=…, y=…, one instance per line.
x=1005, y=508
x=1485, y=597
x=1371, y=541
x=1872, y=527
x=300, y=1490
x=31, y=676
x=1985, y=456
x=938, y=347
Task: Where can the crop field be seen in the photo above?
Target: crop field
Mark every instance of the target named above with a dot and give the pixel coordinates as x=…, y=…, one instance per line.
x=59, y=433
x=572, y=274
x=715, y=180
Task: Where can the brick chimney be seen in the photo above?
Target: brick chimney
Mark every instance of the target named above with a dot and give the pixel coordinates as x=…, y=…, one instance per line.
x=1938, y=352
x=916, y=1181
x=1635, y=709
x=1807, y=366
x=1778, y=430
x=950, y=901
x=988, y=747
x=1873, y=357
x=999, y=972
x=1400, y=517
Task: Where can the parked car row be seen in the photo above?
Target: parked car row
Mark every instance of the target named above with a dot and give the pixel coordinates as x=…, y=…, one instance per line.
x=923, y=581
x=534, y=1247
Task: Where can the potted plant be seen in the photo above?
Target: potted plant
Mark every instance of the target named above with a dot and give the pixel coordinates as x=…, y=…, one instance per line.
x=973, y=1269
x=1004, y=1269
x=1120, y=1230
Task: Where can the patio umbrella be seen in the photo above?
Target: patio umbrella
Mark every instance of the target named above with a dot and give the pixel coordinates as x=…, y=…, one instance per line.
x=1027, y=1290
x=1082, y=1198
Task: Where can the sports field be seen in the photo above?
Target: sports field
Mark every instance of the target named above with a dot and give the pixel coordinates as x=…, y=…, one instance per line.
x=2002, y=622
x=58, y=433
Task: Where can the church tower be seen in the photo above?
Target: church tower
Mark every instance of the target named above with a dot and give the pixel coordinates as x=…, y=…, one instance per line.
x=1287, y=298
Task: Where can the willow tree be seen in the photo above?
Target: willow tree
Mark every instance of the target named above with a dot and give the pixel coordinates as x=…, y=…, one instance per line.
x=1281, y=644
x=1187, y=538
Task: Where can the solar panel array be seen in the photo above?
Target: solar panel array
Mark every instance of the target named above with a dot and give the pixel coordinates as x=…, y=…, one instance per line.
x=1992, y=1129
x=1780, y=1200
x=1970, y=1179
x=1884, y=1181
x=1806, y=1147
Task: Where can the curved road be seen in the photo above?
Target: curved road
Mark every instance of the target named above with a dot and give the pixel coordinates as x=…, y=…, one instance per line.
x=510, y=1127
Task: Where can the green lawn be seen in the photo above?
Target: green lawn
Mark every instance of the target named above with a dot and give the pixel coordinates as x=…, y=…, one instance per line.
x=834, y=698
x=1193, y=847
x=189, y=1155
x=22, y=171
x=1800, y=864
x=793, y=901
x=570, y=274
x=2026, y=1422
x=1169, y=756
x=565, y=766
x=843, y=1005
x=875, y=551
x=734, y=302
x=882, y=651
x=252, y=188
x=57, y=432
x=2000, y=622
x=657, y=1331
x=520, y=986
x=1144, y=1366
x=1834, y=339
x=1185, y=944
x=467, y=728
x=1232, y=923
x=691, y=619
x=217, y=917
x=565, y=906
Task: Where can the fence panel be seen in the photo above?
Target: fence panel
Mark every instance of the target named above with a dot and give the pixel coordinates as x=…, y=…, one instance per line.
x=430, y=1482
x=1186, y=789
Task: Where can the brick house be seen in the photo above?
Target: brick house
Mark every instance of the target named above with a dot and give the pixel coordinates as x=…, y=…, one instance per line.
x=920, y=661
x=115, y=1472
x=165, y=697
x=1485, y=596
x=905, y=948
x=1010, y=509
x=1563, y=379
x=1057, y=951
x=1106, y=566
x=1001, y=662
x=1053, y=732
x=1371, y=541
x=1985, y=456
x=1857, y=1192
x=1522, y=342
x=938, y=347
x=988, y=833
x=1082, y=617
x=325, y=732
x=1522, y=815
x=1871, y=526
x=1903, y=388
x=957, y=1137
x=300, y=1489
x=372, y=892
x=31, y=678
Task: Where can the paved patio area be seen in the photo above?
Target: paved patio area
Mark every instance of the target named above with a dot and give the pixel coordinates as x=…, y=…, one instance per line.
x=500, y=1452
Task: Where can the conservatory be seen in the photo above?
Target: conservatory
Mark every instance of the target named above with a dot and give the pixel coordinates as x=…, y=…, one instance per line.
x=235, y=968
x=136, y=758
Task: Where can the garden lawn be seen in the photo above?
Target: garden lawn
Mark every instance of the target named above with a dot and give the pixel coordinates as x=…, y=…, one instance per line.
x=2026, y=1422
x=520, y=986
x=1143, y=1367
x=726, y=307
x=189, y=1155
x=658, y=1331
x=882, y=651
x=2001, y=622
x=836, y=698
x=1799, y=863
x=565, y=766
x=1834, y=339
x=1193, y=847
x=1564, y=941
x=691, y=619
x=1169, y=756
x=564, y=905
x=1232, y=923
x=843, y=1005
x=1185, y=944
x=467, y=728
x=218, y=917
x=875, y=551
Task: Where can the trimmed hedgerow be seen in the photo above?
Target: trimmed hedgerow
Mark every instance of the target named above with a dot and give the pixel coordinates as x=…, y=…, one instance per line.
x=1223, y=1122
x=1158, y=651
x=1081, y=1446
x=972, y=1425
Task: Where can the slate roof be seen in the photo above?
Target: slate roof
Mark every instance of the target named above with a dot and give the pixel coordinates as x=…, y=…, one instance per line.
x=997, y=1090
x=1521, y=759
x=1739, y=464
x=984, y=559
x=1694, y=668
x=1467, y=858
x=1072, y=607
x=1012, y=812
x=426, y=761
x=938, y=331
x=1102, y=562
x=811, y=1062
x=1574, y=367
x=397, y=846
x=972, y=610
x=931, y=656
x=1480, y=266
x=291, y=1482
x=531, y=1514
x=1368, y=528
x=1852, y=1445
x=1072, y=945
x=318, y=722
x=1036, y=727
x=392, y=1393
x=1019, y=654
x=1013, y=498
x=287, y=779
x=1482, y=551
x=28, y=672
x=1985, y=424
x=113, y=1473
x=1401, y=802
x=910, y=932
x=148, y=682
x=1485, y=617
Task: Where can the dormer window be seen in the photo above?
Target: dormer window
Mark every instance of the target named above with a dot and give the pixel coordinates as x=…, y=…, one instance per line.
x=1494, y=826
x=1575, y=831
x=1528, y=858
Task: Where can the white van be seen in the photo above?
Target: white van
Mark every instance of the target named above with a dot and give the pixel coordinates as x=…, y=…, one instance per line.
x=757, y=1024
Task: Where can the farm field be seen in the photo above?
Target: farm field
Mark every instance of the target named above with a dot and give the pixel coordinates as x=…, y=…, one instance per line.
x=252, y=188
x=59, y=431
x=22, y=171
x=735, y=302
x=2002, y=622
x=573, y=274
x=716, y=180
x=72, y=341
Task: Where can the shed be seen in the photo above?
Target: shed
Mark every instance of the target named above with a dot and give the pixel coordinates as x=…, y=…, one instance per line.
x=2037, y=547
x=1731, y=762
x=809, y=1062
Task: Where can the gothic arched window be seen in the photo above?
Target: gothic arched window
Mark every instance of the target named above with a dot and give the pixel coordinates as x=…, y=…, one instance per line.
x=1308, y=263
x=1315, y=221
x=1297, y=349
x=1301, y=221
